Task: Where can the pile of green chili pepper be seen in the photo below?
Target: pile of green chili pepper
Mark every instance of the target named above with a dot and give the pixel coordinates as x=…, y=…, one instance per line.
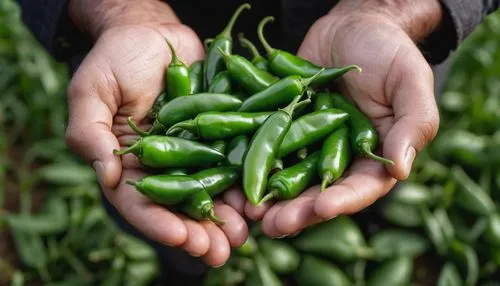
x=253, y=115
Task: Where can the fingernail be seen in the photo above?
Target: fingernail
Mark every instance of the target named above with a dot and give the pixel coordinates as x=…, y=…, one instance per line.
x=194, y=255
x=99, y=169
x=282, y=236
x=409, y=158
x=219, y=266
x=332, y=217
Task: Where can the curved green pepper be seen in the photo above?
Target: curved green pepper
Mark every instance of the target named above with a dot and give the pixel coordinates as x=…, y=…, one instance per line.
x=364, y=137
x=290, y=182
x=196, y=77
x=401, y=214
x=339, y=239
x=249, y=248
x=392, y=243
x=159, y=102
x=263, y=150
x=471, y=196
x=460, y=146
x=200, y=206
x=335, y=156
x=164, y=152
x=397, y=271
x=311, y=128
x=449, y=276
x=236, y=150
x=221, y=83
x=314, y=272
x=217, y=180
x=283, y=63
x=492, y=234
x=465, y=257
x=247, y=75
x=221, y=125
x=281, y=256
x=213, y=61
x=178, y=80
x=257, y=59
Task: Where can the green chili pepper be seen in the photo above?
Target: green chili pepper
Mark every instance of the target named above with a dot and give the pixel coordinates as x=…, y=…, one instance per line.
x=471, y=196
x=364, y=137
x=277, y=95
x=221, y=125
x=449, y=276
x=283, y=63
x=236, y=150
x=164, y=152
x=401, y=214
x=492, y=234
x=225, y=275
x=219, y=145
x=292, y=181
x=444, y=222
x=257, y=59
x=311, y=128
x=247, y=75
x=196, y=77
x=176, y=171
x=339, y=239
x=221, y=83
x=281, y=256
x=397, y=271
x=263, y=150
x=178, y=80
x=356, y=271
x=460, y=146
x=391, y=243
x=249, y=248
x=322, y=101
x=159, y=102
x=465, y=257
x=213, y=61
x=314, y=271
x=187, y=107
x=217, y=180
x=434, y=231
x=412, y=193
x=184, y=134
x=200, y=206
x=335, y=156
x=168, y=189
x=262, y=275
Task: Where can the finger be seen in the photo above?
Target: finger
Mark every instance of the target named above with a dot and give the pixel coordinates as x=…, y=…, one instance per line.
x=234, y=227
x=219, y=250
x=236, y=199
x=297, y=214
x=155, y=221
x=416, y=117
x=269, y=221
x=197, y=242
x=256, y=212
x=363, y=185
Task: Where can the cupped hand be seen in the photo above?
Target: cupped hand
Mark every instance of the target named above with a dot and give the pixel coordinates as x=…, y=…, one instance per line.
x=121, y=77
x=396, y=91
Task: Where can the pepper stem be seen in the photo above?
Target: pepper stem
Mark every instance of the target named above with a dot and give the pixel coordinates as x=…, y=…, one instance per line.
x=137, y=130
x=207, y=43
x=245, y=43
x=326, y=181
x=157, y=128
x=223, y=53
x=134, y=149
x=307, y=81
x=228, y=29
x=188, y=125
x=208, y=212
x=367, y=152
x=260, y=34
x=291, y=107
x=175, y=60
x=269, y=196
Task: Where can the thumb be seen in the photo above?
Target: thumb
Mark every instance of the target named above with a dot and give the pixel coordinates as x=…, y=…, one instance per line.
x=90, y=119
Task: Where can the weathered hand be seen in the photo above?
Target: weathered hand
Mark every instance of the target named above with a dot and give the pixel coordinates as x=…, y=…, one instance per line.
x=395, y=89
x=120, y=77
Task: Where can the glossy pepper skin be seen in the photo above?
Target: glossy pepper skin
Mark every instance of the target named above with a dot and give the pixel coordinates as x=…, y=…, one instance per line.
x=311, y=128
x=168, y=189
x=280, y=255
x=322, y=101
x=236, y=150
x=290, y=182
x=217, y=180
x=397, y=271
x=283, y=63
x=221, y=83
x=219, y=145
x=315, y=271
x=221, y=125
x=257, y=59
x=335, y=156
x=213, y=60
x=196, y=77
x=176, y=171
x=247, y=75
x=166, y=152
x=178, y=80
x=363, y=136
x=187, y=107
x=200, y=206
x=263, y=150
x=277, y=95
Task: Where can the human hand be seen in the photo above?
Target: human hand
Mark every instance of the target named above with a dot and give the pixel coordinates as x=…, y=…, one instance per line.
x=121, y=77
x=395, y=89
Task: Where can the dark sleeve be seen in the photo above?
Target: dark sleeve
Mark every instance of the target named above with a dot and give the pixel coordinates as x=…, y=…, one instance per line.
x=460, y=18
x=49, y=22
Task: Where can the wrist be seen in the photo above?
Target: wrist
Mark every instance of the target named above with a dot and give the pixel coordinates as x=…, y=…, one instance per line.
x=417, y=18
x=93, y=17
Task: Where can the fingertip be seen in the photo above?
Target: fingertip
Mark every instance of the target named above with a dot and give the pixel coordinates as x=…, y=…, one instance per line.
x=235, y=228
x=327, y=203
x=197, y=241
x=219, y=250
x=236, y=199
x=256, y=212
x=296, y=215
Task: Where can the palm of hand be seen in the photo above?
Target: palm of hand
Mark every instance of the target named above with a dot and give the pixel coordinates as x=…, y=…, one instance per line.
x=395, y=90
x=121, y=77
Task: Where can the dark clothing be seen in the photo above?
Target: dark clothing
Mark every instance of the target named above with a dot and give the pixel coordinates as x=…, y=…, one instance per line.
x=50, y=24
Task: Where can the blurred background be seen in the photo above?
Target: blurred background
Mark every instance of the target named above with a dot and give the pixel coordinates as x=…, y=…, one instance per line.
x=54, y=231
